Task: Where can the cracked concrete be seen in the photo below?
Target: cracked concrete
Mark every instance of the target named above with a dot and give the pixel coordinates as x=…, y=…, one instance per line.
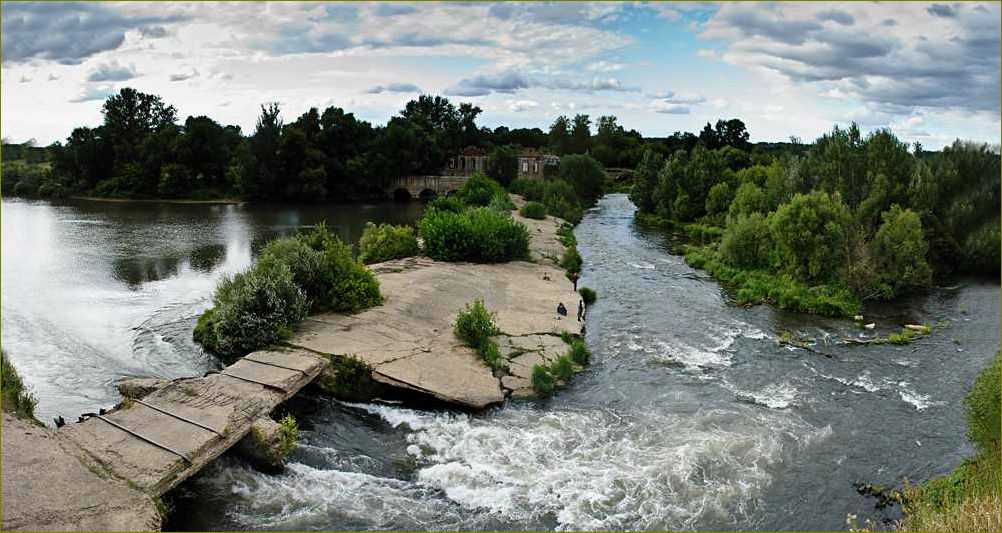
x=408, y=340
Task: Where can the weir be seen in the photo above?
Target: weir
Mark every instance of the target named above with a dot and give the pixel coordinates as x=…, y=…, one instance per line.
x=149, y=445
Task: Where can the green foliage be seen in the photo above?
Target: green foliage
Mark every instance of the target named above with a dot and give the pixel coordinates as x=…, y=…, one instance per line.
x=351, y=379
x=475, y=327
x=448, y=203
x=479, y=190
x=718, y=200
x=748, y=199
x=531, y=190
x=252, y=310
x=501, y=203
x=16, y=397
x=562, y=369
x=308, y=266
x=747, y=242
x=757, y=286
x=703, y=233
x=982, y=408
x=562, y=201
x=810, y=235
x=571, y=260
x=534, y=210
x=900, y=249
x=349, y=285
x=288, y=431
x=588, y=295
x=479, y=235
x=579, y=352
x=502, y=166
x=385, y=242
x=566, y=235
x=584, y=174
x=542, y=381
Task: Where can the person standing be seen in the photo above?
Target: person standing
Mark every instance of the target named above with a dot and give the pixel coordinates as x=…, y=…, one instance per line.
x=581, y=309
x=574, y=278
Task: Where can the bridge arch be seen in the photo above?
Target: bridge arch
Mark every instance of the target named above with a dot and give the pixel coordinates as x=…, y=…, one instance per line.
x=401, y=194
x=427, y=195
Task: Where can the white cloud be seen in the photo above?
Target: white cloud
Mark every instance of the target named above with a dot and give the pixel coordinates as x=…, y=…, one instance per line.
x=518, y=106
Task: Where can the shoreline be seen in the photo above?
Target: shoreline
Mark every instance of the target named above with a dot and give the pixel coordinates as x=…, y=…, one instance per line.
x=176, y=201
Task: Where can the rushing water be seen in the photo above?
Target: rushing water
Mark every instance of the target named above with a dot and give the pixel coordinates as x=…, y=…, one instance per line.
x=691, y=416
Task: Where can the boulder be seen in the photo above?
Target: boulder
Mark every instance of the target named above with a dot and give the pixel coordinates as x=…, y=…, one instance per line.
x=265, y=446
x=136, y=388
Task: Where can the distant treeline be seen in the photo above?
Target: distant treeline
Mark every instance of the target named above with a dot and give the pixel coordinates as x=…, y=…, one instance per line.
x=820, y=227
x=141, y=150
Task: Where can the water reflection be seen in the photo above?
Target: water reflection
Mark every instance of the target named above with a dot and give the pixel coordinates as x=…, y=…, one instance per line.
x=93, y=291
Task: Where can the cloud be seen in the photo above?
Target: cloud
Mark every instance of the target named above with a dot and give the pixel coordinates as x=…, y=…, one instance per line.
x=394, y=88
x=184, y=75
x=518, y=106
x=707, y=53
x=953, y=63
x=420, y=40
x=24, y=79
x=595, y=84
x=484, y=84
x=834, y=15
x=52, y=77
x=605, y=66
x=153, y=32
x=90, y=93
x=65, y=32
x=660, y=106
x=671, y=97
x=392, y=10
x=941, y=10
x=112, y=72
x=302, y=39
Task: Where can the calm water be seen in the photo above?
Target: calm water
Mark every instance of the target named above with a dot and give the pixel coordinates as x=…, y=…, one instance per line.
x=691, y=416
x=95, y=291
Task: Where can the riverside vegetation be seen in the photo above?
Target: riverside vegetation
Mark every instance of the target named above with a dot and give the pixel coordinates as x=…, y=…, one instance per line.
x=823, y=228
x=16, y=397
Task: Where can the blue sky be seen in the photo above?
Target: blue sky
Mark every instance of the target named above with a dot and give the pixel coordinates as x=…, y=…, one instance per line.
x=929, y=71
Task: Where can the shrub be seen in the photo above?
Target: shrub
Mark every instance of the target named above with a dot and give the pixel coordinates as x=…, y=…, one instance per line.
x=385, y=242
x=288, y=434
x=747, y=242
x=585, y=174
x=479, y=190
x=579, y=352
x=810, y=235
x=749, y=198
x=563, y=368
x=531, y=190
x=982, y=408
x=16, y=398
x=566, y=235
x=448, y=203
x=350, y=379
x=588, y=295
x=501, y=203
x=351, y=286
x=252, y=309
x=478, y=235
x=899, y=250
x=308, y=266
x=475, y=325
x=571, y=260
x=534, y=210
x=542, y=381
x=562, y=201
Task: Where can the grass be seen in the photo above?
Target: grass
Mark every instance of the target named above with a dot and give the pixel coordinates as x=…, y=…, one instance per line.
x=16, y=398
x=546, y=378
x=966, y=500
x=542, y=381
x=757, y=286
x=475, y=326
x=288, y=434
x=534, y=210
x=566, y=235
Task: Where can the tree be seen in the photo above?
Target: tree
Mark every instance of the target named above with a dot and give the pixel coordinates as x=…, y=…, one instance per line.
x=560, y=135
x=580, y=140
x=899, y=251
x=810, y=235
x=129, y=116
x=718, y=200
x=748, y=199
x=732, y=133
x=646, y=180
x=747, y=242
x=263, y=179
x=585, y=174
x=502, y=166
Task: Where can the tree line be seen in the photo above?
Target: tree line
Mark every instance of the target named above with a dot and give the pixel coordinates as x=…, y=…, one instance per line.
x=867, y=214
x=142, y=149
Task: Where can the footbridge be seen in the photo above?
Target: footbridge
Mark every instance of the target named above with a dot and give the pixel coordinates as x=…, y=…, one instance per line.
x=423, y=187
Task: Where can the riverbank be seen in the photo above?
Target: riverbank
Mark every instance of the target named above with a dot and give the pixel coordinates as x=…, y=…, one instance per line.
x=176, y=201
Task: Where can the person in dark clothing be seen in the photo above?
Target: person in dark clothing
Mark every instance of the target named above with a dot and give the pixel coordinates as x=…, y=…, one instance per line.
x=581, y=309
x=574, y=278
x=561, y=310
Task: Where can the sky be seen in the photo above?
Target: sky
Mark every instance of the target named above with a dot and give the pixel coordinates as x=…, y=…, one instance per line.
x=929, y=71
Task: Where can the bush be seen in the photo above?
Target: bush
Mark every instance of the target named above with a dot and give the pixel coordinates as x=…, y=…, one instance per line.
x=579, y=352
x=385, y=242
x=502, y=203
x=747, y=242
x=351, y=286
x=448, y=203
x=585, y=174
x=899, y=250
x=571, y=260
x=562, y=201
x=749, y=198
x=478, y=235
x=479, y=190
x=16, y=398
x=982, y=408
x=308, y=266
x=351, y=379
x=289, y=434
x=533, y=210
x=542, y=381
x=810, y=235
x=252, y=310
x=563, y=368
x=475, y=325
x=588, y=295
x=566, y=235
x=531, y=190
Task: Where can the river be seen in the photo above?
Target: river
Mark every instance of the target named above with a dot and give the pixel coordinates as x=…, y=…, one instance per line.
x=691, y=415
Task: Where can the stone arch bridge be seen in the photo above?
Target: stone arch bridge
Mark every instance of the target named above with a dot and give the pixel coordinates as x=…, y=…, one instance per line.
x=423, y=187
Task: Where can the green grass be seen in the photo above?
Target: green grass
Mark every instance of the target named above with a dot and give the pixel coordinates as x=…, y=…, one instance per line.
x=542, y=381
x=757, y=286
x=475, y=326
x=966, y=500
x=16, y=398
